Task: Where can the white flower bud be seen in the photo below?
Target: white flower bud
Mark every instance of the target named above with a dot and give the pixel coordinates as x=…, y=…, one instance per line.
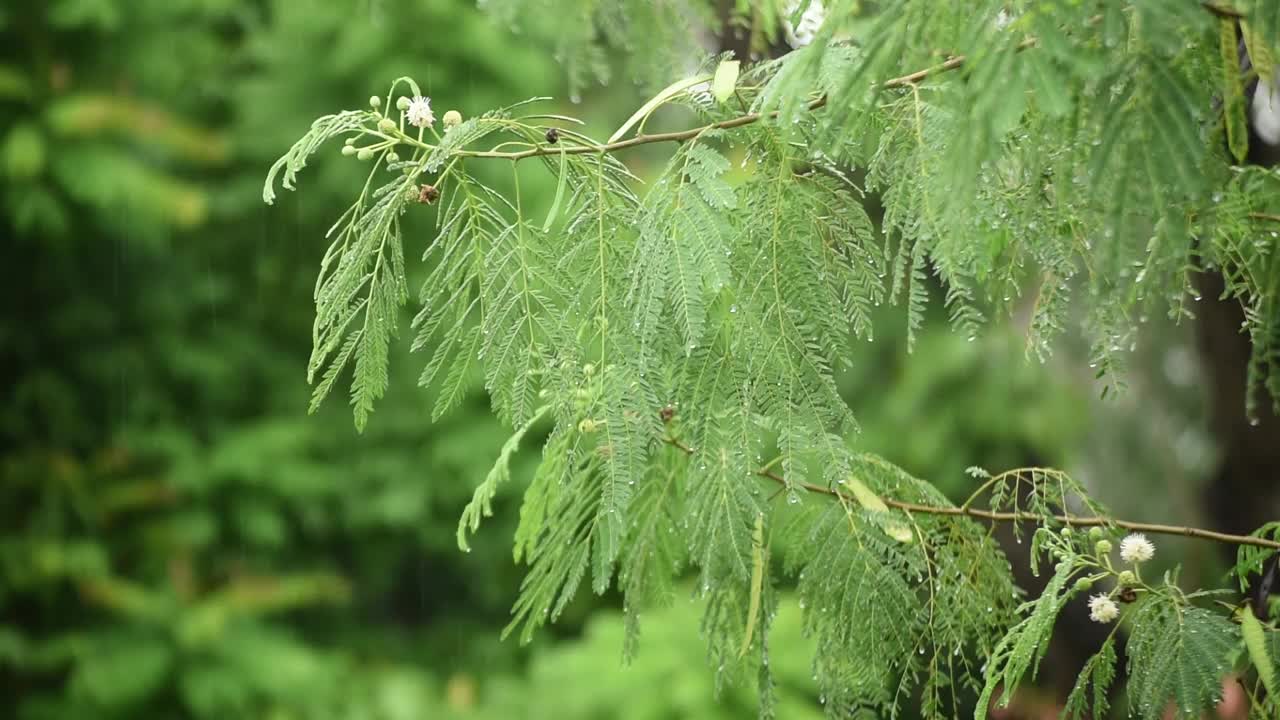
x=1102, y=609
x=348, y=150
x=374, y=101
x=387, y=125
x=364, y=154
x=452, y=118
x=402, y=103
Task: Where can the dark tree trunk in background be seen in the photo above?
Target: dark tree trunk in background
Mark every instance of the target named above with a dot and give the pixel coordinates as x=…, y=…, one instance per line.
x=1244, y=491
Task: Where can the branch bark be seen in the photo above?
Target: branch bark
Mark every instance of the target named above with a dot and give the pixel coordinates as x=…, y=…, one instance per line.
x=1018, y=517
x=681, y=135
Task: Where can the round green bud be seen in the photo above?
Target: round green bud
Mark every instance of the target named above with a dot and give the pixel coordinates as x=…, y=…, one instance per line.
x=364, y=154
x=392, y=156
x=452, y=118
x=374, y=101
x=1102, y=547
x=1066, y=532
x=350, y=141
x=1095, y=533
x=402, y=103
x=348, y=150
x=1083, y=584
x=588, y=369
x=387, y=125
x=587, y=426
x=1127, y=577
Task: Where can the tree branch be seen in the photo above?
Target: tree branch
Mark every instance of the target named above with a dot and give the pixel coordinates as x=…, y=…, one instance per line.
x=1017, y=517
x=681, y=135
x=950, y=63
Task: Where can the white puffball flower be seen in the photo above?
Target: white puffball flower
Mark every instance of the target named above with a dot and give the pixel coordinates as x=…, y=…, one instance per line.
x=419, y=112
x=1136, y=548
x=1103, y=609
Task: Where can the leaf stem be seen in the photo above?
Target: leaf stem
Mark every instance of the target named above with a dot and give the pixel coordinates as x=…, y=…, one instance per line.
x=1019, y=517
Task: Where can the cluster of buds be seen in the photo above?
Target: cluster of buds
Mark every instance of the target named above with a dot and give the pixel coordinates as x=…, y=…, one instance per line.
x=416, y=111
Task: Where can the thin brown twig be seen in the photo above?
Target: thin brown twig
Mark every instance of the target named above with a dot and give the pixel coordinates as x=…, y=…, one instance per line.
x=1264, y=216
x=1019, y=517
x=681, y=135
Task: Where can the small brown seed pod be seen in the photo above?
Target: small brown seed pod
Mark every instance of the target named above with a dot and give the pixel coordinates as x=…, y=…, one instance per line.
x=553, y=136
x=1128, y=595
x=428, y=194
x=667, y=413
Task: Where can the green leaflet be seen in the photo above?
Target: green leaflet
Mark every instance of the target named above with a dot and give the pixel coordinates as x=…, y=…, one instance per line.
x=322, y=130
x=1177, y=654
x=481, y=505
x=872, y=503
x=656, y=102
x=1233, y=105
x=758, y=553
x=555, y=205
x=1020, y=650
x=726, y=78
x=1255, y=641
x=1097, y=674
x=1261, y=53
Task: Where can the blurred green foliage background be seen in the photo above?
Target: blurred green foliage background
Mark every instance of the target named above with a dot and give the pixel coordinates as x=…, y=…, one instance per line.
x=179, y=539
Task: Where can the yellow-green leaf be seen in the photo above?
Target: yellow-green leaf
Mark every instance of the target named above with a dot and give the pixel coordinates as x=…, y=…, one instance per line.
x=555, y=205
x=1233, y=105
x=725, y=80
x=656, y=101
x=1260, y=54
x=1255, y=641
x=872, y=502
x=757, y=582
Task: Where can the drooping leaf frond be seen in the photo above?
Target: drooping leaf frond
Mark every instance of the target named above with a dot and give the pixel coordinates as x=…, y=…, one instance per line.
x=682, y=335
